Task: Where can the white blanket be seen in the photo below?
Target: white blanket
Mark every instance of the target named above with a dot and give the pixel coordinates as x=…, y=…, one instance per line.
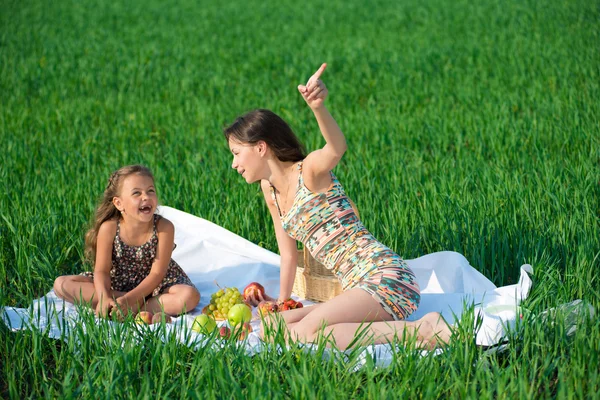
x=209, y=253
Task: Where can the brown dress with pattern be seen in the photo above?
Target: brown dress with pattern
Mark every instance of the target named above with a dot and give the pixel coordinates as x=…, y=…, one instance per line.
x=132, y=264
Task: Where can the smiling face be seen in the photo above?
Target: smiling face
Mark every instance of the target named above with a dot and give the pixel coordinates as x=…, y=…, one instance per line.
x=137, y=198
x=248, y=159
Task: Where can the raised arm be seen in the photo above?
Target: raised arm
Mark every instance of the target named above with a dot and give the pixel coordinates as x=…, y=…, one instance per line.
x=319, y=163
x=287, y=247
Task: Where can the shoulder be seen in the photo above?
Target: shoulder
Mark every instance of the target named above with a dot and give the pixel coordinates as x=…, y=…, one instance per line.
x=268, y=193
x=265, y=185
x=267, y=190
x=163, y=225
x=108, y=228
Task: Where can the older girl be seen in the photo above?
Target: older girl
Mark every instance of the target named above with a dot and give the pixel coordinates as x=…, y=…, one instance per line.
x=307, y=203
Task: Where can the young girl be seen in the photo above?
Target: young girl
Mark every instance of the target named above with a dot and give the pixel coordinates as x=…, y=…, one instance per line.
x=131, y=249
x=308, y=203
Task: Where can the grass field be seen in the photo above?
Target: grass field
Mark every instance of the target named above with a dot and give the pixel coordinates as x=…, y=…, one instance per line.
x=472, y=127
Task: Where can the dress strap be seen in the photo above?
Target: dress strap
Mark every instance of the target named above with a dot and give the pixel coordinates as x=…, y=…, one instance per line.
x=156, y=218
x=300, y=178
x=274, y=197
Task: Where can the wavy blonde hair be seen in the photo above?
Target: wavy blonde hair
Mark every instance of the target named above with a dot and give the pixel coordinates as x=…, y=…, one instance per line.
x=106, y=209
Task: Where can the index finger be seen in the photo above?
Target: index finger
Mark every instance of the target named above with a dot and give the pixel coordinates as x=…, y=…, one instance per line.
x=317, y=74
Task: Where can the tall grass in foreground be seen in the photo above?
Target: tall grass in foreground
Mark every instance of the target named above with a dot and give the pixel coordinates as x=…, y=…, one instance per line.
x=471, y=127
x=129, y=360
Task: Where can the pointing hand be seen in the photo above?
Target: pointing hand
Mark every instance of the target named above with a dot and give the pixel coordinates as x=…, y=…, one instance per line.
x=314, y=92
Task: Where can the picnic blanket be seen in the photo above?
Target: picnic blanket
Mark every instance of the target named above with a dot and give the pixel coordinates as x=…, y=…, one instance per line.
x=209, y=253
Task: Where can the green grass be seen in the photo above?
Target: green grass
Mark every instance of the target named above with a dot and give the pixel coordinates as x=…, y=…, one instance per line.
x=472, y=127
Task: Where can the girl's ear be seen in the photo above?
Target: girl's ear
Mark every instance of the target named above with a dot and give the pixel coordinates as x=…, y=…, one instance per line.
x=117, y=203
x=262, y=147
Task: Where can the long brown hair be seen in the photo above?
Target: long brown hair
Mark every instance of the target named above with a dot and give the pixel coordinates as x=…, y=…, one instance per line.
x=106, y=209
x=267, y=126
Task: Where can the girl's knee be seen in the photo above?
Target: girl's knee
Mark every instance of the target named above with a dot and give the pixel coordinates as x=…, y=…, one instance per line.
x=305, y=332
x=301, y=334
x=58, y=285
x=191, y=297
x=194, y=296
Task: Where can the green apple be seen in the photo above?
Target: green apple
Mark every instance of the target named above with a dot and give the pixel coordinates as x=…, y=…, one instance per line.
x=204, y=324
x=238, y=314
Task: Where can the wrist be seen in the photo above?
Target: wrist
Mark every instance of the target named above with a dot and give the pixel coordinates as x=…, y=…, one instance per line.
x=104, y=296
x=282, y=300
x=122, y=301
x=319, y=109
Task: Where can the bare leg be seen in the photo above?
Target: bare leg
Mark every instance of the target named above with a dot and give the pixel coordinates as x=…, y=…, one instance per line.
x=292, y=316
x=344, y=314
x=289, y=318
x=75, y=288
x=78, y=289
x=176, y=300
x=429, y=331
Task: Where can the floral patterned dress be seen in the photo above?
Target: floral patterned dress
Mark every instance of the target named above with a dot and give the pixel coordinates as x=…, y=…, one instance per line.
x=132, y=264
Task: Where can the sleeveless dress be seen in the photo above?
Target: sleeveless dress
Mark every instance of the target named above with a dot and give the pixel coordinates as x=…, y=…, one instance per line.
x=329, y=228
x=132, y=264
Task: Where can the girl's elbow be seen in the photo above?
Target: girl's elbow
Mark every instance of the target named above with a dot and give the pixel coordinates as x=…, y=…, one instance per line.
x=340, y=148
x=338, y=153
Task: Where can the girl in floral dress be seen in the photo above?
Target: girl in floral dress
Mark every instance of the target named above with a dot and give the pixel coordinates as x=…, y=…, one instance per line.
x=131, y=248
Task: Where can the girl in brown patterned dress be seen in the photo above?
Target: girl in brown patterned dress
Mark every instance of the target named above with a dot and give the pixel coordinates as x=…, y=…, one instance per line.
x=131, y=248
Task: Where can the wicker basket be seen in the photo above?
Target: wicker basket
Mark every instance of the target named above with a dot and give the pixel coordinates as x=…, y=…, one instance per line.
x=314, y=281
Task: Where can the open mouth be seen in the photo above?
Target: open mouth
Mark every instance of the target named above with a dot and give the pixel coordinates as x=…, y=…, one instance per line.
x=146, y=209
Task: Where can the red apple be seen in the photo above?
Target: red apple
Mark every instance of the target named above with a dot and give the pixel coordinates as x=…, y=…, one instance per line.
x=144, y=317
x=243, y=331
x=253, y=289
x=225, y=332
x=242, y=335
